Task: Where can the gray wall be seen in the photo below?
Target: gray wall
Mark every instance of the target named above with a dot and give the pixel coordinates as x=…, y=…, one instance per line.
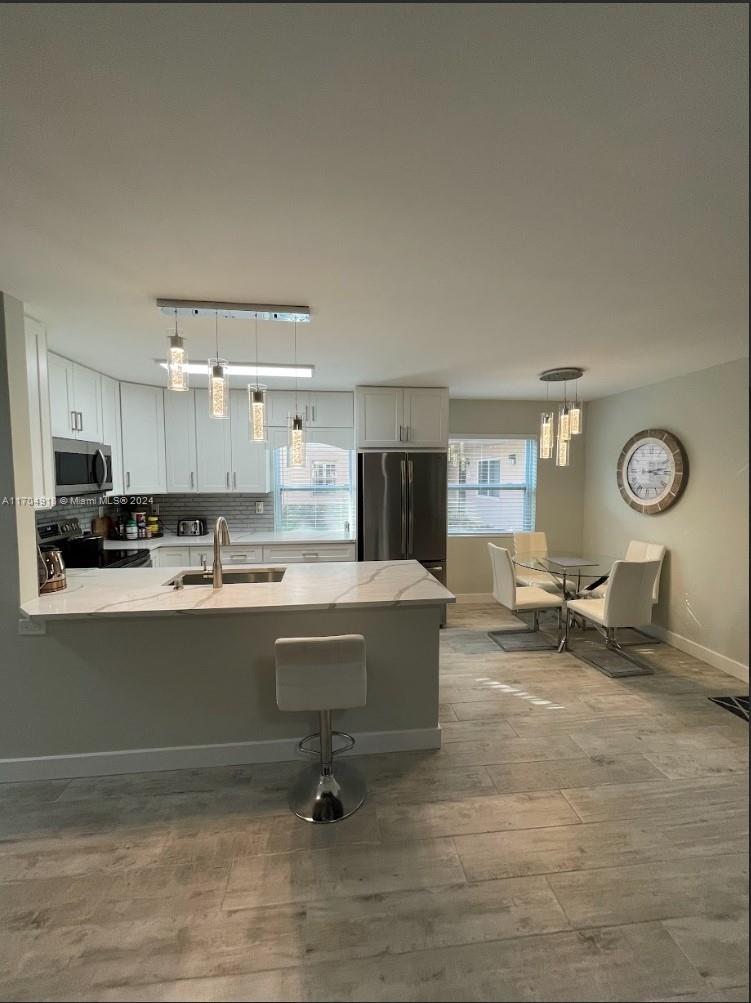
x=560, y=491
x=704, y=594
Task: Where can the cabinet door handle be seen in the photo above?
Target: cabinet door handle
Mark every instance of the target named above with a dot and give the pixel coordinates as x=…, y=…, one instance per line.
x=192, y=479
x=313, y=409
x=127, y=478
x=80, y=420
x=73, y=422
x=234, y=480
x=307, y=417
x=406, y=433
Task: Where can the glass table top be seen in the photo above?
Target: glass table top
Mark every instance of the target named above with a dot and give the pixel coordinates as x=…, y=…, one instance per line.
x=569, y=563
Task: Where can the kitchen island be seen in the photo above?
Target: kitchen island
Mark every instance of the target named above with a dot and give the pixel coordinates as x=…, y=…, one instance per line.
x=190, y=671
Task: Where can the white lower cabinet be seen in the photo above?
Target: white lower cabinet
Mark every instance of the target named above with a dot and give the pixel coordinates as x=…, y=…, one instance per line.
x=171, y=557
x=201, y=556
x=142, y=411
x=239, y=554
x=301, y=554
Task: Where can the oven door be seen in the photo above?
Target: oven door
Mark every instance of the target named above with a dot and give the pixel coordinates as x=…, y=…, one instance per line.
x=81, y=467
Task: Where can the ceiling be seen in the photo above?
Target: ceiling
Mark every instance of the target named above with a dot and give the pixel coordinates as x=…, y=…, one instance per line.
x=463, y=194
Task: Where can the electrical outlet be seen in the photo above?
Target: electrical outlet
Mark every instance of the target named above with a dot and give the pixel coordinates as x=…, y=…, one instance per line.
x=31, y=628
x=259, y=508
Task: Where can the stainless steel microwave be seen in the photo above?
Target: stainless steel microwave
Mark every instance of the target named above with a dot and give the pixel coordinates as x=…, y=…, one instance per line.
x=81, y=467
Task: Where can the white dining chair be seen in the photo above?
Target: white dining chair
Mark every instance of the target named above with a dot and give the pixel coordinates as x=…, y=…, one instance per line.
x=628, y=602
x=533, y=543
x=525, y=599
x=637, y=550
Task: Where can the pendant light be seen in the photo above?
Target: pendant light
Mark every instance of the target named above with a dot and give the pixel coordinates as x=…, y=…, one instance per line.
x=177, y=371
x=576, y=414
x=218, y=380
x=257, y=405
x=557, y=442
x=547, y=428
x=295, y=428
x=564, y=420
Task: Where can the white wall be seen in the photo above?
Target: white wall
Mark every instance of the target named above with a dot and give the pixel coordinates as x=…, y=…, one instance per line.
x=559, y=490
x=704, y=592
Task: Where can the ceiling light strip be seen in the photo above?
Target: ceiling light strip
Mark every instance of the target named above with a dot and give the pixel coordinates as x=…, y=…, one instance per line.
x=300, y=371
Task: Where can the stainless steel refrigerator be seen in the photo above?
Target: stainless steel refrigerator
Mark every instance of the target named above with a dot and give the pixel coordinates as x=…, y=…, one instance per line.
x=401, y=509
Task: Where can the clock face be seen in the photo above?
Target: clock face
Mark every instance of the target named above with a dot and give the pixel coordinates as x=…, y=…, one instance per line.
x=652, y=471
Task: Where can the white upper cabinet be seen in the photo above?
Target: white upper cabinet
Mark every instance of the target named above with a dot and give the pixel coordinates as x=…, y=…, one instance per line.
x=63, y=419
x=142, y=410
x=380, y=417
x=402, y=418
x=111, y=430
x=75, y=400
x=42, y=458
x=87, y=401
x=250, y=460
x=180, y=440
x=213, y=448
x=426, y=417
x=319, y=408
x=331, y=409
x=281, y=403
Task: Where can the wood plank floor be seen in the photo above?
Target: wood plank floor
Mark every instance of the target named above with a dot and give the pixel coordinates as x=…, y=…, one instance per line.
x=577, y=838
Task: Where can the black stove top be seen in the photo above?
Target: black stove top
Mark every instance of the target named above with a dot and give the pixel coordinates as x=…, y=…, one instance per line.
x=82, y=550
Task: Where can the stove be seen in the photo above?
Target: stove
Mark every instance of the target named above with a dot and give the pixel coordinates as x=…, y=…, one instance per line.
x=82, y=550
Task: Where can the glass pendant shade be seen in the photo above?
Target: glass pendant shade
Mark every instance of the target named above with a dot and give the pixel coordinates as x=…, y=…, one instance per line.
x=546, y=434
x=295, y=442
x=218, y=388
x=564, y=422
x=576, y=418
x=257, y=413
x=562, y=451
x=177, y=370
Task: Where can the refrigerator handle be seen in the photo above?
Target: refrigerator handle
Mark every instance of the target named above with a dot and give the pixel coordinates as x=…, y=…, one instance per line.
x=404, y=507
x=411, y=530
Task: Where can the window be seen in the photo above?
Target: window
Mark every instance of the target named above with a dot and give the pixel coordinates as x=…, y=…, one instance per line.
x=492, y=485
x=318, y=496
x=488, y=472
x=324, y=474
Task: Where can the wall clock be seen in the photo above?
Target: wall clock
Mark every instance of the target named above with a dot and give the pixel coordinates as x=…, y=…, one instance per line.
x=652, y=471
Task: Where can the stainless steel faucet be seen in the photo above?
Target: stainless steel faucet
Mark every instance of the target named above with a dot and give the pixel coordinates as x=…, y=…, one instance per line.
x=221, y=538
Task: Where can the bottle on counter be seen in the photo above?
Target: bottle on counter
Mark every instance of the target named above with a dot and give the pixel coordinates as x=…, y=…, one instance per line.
x=131, y=529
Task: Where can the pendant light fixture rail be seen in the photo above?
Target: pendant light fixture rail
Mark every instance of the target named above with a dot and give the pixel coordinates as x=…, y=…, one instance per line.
x=235, y=311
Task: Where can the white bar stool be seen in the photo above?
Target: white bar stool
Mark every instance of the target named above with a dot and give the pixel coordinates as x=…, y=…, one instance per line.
x=323, y=674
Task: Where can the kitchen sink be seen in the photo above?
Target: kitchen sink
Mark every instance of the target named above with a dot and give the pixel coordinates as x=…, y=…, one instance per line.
x=229, y=577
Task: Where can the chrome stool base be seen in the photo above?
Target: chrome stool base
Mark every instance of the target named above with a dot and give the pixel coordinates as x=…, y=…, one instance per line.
x=327, y=797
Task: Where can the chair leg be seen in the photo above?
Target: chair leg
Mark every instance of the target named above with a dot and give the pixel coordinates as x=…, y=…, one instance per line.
x=326, y=743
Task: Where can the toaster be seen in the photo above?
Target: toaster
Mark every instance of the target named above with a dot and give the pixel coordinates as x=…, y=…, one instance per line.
x=191, y=527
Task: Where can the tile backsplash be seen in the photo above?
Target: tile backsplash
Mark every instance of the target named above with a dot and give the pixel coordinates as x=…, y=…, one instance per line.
x=238, y=509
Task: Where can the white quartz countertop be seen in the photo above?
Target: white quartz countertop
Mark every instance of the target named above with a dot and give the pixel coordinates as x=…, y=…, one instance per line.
x=116, y=592
x=241, y=537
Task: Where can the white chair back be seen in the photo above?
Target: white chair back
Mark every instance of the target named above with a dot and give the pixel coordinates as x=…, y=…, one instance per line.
x=640, y=550
x=628, y=600
x=530, y=543
x=504, y=580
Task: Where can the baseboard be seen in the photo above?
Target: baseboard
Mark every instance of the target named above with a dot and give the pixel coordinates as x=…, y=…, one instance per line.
x=474, y=598
x=182, y=757
x=713, y=658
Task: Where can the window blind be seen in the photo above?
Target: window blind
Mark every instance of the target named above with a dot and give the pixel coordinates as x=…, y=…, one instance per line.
x=492, y=485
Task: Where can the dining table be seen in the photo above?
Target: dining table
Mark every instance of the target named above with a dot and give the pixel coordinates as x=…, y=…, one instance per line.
x=571, y=571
